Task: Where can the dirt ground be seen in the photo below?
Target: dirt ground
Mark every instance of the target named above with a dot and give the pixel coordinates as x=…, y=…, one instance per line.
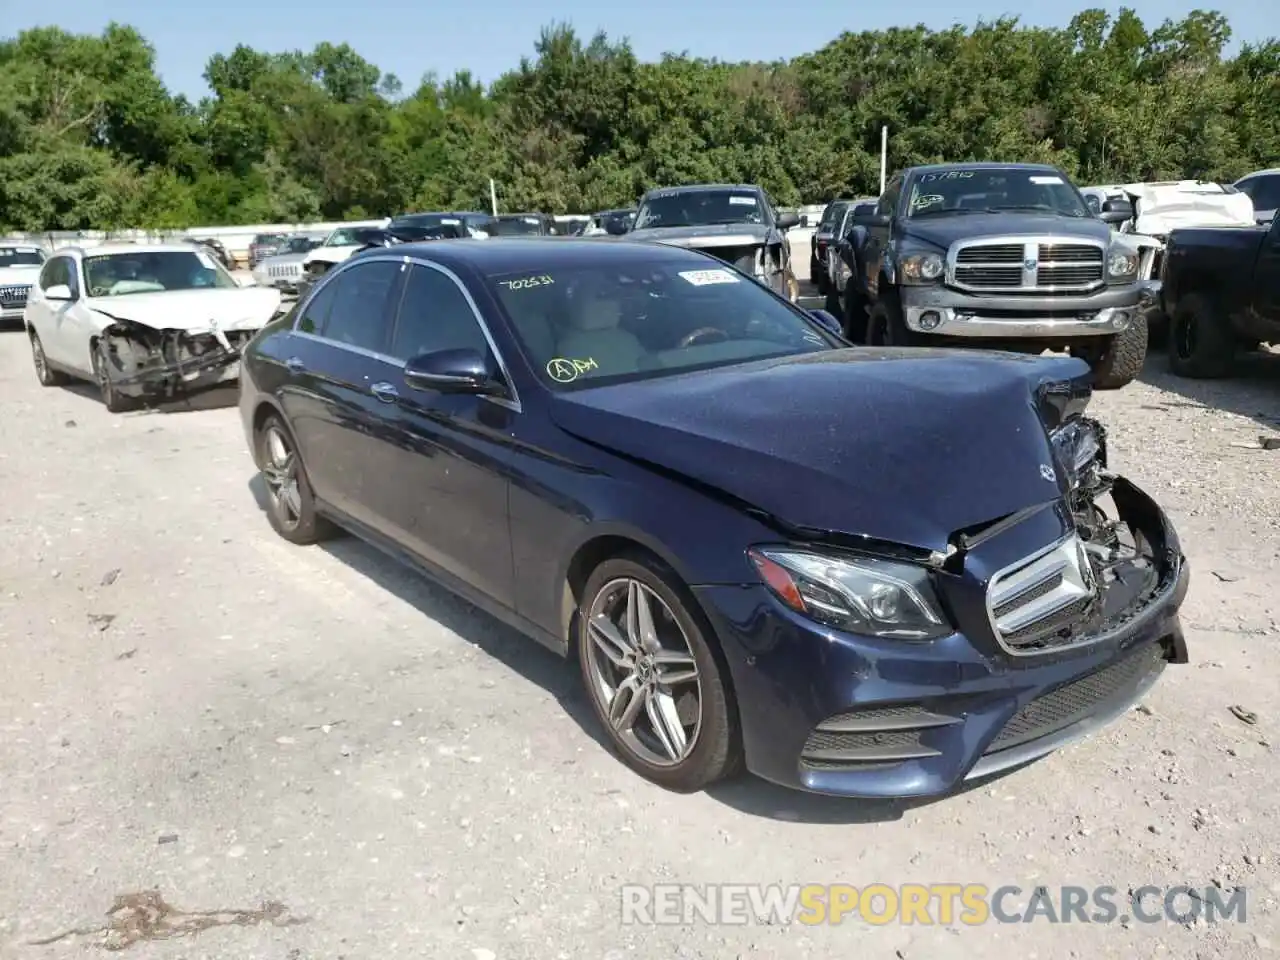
x=312, y=754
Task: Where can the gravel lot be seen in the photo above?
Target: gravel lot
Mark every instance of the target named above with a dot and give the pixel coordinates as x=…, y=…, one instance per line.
x=189, y=704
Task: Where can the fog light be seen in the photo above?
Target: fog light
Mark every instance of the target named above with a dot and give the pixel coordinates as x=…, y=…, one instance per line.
x=1120, y=320
x=930, y=319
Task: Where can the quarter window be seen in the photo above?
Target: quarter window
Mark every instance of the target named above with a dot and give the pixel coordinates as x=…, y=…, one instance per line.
x=434, y=315
x=317, y=311
x=361, y=310
x=889, y=200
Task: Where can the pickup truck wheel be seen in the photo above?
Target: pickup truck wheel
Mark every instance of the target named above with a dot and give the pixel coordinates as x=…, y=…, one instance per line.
x=1201, y=344
x=854, y=315
x=1157, y=329
x=819, y=277
x=886, y=328
x=1118, y=361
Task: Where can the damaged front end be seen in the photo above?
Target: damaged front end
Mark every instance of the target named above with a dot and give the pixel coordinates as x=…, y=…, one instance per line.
x=1099, y=581
x=158, y=364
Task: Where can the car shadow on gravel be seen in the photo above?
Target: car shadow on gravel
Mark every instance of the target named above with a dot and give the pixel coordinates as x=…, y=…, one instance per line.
x=747, y=794
x=1252, y=390
x=214, y=398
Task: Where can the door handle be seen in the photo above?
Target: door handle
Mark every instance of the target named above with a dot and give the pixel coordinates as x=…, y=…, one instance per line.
x=295, y=365
x=385, y=392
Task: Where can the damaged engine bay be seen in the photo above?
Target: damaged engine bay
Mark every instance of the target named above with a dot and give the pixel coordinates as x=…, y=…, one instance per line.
x=147, y=363
x=1124, y=548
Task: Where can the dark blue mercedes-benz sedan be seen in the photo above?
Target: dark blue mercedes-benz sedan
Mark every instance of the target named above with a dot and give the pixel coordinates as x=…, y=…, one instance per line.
x=865, y=572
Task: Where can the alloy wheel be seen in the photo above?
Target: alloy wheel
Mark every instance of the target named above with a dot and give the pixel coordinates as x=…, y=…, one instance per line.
x=38, y=358
x=642, y=672
x=280, y=473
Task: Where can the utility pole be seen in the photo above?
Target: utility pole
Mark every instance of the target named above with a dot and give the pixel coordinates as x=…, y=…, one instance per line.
x=884, y=155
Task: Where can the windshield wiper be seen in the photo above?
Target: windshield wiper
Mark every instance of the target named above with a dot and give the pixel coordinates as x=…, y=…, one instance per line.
x=1021, y=206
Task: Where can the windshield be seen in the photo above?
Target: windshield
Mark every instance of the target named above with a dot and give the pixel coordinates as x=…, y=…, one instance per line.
x=832, y=217
x=994, y=190
x=114, y=274
x=346, y=237
x=700, y=208
x=588, y=326
x=518, y=226
x=267, y=239
x=428, y=220
x=299, y=245
x=20, y=257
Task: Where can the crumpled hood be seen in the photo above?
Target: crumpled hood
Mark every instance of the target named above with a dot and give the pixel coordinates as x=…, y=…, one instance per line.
x=329, y=254
x=705, y=237
x=1160, y=209
x=942, y=230
x=905, y=446
x=195, y=311
x=19, y=276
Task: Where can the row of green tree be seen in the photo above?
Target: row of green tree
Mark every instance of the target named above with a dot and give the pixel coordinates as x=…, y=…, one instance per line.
x=91, y=138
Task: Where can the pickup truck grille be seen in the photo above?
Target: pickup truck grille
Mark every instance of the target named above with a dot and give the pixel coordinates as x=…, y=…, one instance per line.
x=1035, y=267
x=1036, y=603
x=284, y=270
x=14, y=295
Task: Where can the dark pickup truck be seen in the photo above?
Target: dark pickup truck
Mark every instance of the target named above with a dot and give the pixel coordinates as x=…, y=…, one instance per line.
x=999, y=255
x=1220, y=288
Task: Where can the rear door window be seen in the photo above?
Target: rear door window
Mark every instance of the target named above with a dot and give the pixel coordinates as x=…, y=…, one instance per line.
x=362, y=307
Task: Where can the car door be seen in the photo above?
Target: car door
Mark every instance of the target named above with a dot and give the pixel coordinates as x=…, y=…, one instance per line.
x=448, y=452
x=1266, y=281
x=61, y=326
x=337, y=360
x=879, y=232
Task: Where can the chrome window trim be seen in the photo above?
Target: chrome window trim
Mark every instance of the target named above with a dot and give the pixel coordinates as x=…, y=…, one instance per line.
x=1030, y=244
x=405, y=261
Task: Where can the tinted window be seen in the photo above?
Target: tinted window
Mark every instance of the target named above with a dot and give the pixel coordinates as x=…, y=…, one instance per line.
x=434, y=315
x=832, y=216
x=317, y=310
x=54, y=273
x=607, y=321
x=360, y=314
x=154, y=271
x=689, y=208
x=1263, y=191
x=20, y=257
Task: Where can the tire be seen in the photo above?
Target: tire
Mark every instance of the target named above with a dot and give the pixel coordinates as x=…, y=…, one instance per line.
x=1120, y=360
x=1157, y=329
x=1201, y=344
x=294, y=516
x=886, y=328
x=832, y=304
x=819, y=277
x=47, y=376
x=703, y=707
x=112, y=399
x=854, y=315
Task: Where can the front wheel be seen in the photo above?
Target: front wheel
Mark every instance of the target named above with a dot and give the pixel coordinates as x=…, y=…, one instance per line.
x=1118, y=361
x=291, y=506
x=819, y=277
x=652, y=677
x=887, y=328
x=112, y=398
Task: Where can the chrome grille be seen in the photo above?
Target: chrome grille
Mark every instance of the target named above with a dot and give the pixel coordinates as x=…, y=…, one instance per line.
x=1035, y=603
x=284, y=270
x=1032, y=266
x=14, y=295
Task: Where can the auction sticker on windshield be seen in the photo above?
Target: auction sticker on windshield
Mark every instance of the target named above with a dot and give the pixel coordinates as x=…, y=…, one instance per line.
x=743, y=201
x=565, y=370
x=1045, y=181
x=702, y=278
x=525, y=283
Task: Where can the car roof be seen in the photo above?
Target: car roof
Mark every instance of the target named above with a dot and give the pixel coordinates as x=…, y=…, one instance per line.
x=108, y=249
x=701, y=188
x=979, y=165
x=509, y=254
x=1274, y=171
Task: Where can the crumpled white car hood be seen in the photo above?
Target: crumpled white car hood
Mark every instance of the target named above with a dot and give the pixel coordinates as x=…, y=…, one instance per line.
x=1164, y=207
x=329, y=254
x=194, y=311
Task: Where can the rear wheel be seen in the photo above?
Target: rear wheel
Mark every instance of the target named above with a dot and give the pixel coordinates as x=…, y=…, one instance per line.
x=1201, y=344
x=47, y=376
x=653, y=679
x=291, y=506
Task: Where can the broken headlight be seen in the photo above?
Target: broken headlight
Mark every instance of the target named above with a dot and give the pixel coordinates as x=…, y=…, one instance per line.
x=1078, y=446
x=877, y=598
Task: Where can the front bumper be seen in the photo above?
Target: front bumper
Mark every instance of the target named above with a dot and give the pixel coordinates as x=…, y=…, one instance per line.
x=941, y=311
x=12, y=314
x=847, y=715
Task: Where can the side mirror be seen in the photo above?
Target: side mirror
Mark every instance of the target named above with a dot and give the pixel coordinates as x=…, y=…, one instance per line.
x=59, y=291
x=788, y=220
x=1116, y=211
x=454, y=371
x=829, y=321
x=616, y=228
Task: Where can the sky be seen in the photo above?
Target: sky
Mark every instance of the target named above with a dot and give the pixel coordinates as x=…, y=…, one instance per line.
x=412, y=37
